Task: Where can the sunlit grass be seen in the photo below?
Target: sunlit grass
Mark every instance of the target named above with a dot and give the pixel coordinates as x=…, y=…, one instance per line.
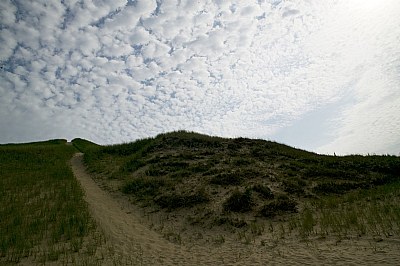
x=43, y=215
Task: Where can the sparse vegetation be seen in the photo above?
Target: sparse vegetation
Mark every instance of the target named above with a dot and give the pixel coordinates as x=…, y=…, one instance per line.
x=249, y=178
x=337, y=187
x=230, y=221
x=248, y=188
x=281, y=205
x=175, y=201
x=143, y=187
x=227, y=179
x=294, y=186
x=374, y=211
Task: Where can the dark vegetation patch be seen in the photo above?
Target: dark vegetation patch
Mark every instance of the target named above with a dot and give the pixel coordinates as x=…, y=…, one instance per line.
x=281, y=205
x=239, y=202
x=264, y=191
x=201, y=167
x=127, y=149
x=294, y=186
x=143, y=187
x=176, y=201
x=243, y=161
x=133, y=165
x=226, y=179
x=337, y=188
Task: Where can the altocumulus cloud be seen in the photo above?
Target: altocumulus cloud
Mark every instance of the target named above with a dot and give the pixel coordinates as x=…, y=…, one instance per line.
x=114, y=71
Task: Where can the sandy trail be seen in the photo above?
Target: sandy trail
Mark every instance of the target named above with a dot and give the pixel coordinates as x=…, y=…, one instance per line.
x=123, y=229
x=131, y=238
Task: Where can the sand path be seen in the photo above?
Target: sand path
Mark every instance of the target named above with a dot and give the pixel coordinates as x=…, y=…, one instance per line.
x=127, y=235
x=131, y=238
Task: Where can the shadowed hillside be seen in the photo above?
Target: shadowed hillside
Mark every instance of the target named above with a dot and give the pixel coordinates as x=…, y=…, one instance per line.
x=210, y=182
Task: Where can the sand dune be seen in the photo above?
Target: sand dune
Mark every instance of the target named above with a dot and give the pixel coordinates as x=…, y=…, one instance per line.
x=133, y=238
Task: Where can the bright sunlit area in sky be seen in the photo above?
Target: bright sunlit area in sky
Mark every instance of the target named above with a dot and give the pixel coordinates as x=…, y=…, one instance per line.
x=318, y=75
x=369, y=5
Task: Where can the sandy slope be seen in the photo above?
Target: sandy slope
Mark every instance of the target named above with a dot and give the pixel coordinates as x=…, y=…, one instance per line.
x=132, y=238
x=124, y=230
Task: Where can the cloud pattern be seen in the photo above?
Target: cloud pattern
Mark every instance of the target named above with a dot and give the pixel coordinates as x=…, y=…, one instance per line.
x=115, y=71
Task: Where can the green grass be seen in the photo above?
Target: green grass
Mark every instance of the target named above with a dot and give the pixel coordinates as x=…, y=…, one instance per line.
x=42, y=212
x=373, y=212
x=250, y=188
x=83, y=145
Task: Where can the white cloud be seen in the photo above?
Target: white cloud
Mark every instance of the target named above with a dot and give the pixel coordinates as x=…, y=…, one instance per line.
x=126, y=19
x=145, y=7
x=118, y=70
x=7, y=13
x=87, y=42
x=8, y=44
x=139, y=36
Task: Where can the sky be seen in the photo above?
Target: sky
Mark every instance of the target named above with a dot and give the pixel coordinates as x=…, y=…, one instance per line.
x=317, y=75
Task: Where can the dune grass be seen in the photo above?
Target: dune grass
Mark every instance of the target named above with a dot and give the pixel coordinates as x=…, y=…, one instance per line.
x=255, y=190
x=374, y=212
x=84, y=145
x=242, y=180
x=248, y=187
x=43, y=216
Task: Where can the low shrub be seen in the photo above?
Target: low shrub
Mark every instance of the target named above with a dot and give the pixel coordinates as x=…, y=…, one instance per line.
x=239, y=202
x=381, y=179
x=165, y=168
x=200, y=168
x=337, y=188
x=294, y=186
x=242, y=161
x=279, y=206
x=133, y=165
x=156, y=170
x=143, y=186
x=175, y=201
x=259, y=153
x=318, y=171
x=126, y=149
x=180, y=175
x=225, y=179
x=264, y=191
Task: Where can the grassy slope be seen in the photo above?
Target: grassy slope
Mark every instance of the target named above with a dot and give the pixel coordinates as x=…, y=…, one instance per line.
x=242, y=185
x=43, y=214
x=232, y=182
x=83, y=145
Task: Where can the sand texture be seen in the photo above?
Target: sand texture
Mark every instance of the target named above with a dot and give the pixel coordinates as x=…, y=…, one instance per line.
x=132, y=237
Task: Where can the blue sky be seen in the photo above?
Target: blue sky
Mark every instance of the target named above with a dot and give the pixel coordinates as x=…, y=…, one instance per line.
x=318, y=75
